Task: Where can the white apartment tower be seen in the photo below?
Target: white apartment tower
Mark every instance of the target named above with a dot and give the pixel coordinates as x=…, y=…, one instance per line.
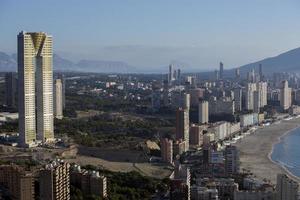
x=256, y=96
x=203, y=112
x=285, y=95
x=249, y=94
x=58, y=100
x=35, y=87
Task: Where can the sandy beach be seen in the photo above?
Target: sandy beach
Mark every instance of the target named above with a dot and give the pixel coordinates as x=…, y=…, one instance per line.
x=256, y=148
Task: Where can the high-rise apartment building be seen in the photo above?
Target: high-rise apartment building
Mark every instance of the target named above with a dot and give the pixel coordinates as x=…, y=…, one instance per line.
x=249, y=100
x=186, y=101
x=232, y=160
x=182, y=125
x=203, y=112
x=171, y=74
x=237, y=99
x=216, y=75
x=55, y=181
x=221, y=74
x=166, y=148
x=256, y=101
x=286, y=188
x=63, y=82
x=285, y=95
x=11, y=89
x=35, y=87
x=196, y=135
x=19, y=183
x=58, y=99
x=261, y=76
x=237, y=73
x=262, y=88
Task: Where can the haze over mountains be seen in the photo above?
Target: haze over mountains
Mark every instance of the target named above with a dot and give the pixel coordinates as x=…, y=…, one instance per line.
x=285, y=62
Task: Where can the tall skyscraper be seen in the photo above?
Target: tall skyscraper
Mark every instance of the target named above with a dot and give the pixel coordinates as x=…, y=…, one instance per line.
x=251, y=76
x=182, y=125
x=256, y=101
x=285, y=95
x=63, y=82
x=237, y=73
x=186, y=101
x=217, y=75
x=35, y=86
x=237, y=99
x=261, y=76
x=286, y=188
x=178, y=74
x=55, y=181
x=221, y=70
x=58, y=100
x=203, y=112
x=171, y=74
x=262, y=88
x=11, y=89
x=249, y=96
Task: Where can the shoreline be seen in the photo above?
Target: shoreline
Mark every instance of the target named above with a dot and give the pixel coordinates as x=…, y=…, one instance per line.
x=256, y=150
x=279, y=139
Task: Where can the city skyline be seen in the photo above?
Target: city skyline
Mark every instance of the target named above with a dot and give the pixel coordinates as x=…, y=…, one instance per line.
x=136, y=32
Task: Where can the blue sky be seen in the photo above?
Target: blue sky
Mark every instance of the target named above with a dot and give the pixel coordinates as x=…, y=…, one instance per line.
x=152, y=33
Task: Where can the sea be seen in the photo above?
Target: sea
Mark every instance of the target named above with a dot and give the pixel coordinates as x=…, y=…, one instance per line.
x=287, y=152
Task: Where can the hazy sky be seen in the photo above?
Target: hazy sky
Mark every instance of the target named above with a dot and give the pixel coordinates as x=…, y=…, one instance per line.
x=152, y=33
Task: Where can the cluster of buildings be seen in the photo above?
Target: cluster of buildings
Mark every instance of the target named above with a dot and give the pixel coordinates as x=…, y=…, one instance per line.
x=50, y=182
x=208, y=114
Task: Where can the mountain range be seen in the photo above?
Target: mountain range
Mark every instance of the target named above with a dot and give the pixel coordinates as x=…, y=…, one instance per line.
x=9, y=63
x=286, y=62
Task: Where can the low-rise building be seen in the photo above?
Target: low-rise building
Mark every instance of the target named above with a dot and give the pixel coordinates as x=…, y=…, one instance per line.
x=18, y=182
x=254, y=195
x=89, y=182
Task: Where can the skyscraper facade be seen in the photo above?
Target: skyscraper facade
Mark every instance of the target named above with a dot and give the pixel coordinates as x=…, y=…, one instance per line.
x=232, y=160
x=63, y=82
x=249, y=96
x=285, y=95
x=237, y=73
x=203, y=112
x=182, y=125
x=35, y=87
x=237, y=99
x=58, y=100
x=170, y=75
x=221, y=70
x=11, y=89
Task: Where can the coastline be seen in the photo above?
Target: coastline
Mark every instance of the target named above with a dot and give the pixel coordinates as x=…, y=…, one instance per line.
x=256, y=150
x=290, y=174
